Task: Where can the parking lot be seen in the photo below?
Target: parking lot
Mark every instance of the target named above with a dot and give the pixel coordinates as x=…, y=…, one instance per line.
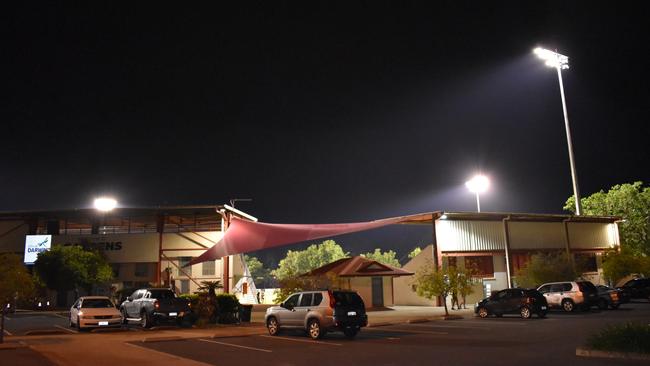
x=469, y=341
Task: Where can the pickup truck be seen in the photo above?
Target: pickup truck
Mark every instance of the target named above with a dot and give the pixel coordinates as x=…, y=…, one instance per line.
x=153, y=305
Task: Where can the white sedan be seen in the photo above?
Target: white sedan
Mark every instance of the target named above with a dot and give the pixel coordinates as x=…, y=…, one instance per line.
x=94, y=311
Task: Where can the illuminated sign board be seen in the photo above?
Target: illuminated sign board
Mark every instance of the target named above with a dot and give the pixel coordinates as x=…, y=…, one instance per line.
x=35, y=244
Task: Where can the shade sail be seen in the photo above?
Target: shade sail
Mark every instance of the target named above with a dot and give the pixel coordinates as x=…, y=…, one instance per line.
x=245, y=236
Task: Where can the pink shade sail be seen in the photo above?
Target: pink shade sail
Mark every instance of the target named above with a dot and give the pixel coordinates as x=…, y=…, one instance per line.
x=245, y=236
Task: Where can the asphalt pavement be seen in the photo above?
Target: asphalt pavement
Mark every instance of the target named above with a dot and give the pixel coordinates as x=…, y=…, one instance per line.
x=399, y=337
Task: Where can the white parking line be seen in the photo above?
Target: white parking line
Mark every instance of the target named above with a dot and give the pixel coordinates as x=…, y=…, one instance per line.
x=301, y=340
x=66, y=329
x=429, y=325
x=8, y=332
x=235, y=345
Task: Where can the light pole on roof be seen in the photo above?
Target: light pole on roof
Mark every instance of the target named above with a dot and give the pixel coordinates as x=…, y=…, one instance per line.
x=561, y=62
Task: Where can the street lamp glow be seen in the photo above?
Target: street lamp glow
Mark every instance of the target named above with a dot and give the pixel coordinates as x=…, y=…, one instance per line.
x=478, y=185
x=561, y=62
x=553, y=59
x=105, y=204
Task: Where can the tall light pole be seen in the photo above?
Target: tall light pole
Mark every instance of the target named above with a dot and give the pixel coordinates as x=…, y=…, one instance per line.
x=561, y=62
x=478, y=185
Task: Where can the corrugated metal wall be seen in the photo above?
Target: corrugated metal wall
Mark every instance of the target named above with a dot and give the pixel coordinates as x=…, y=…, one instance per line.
x=535, y=235
x=584, y=235
x=469, y=236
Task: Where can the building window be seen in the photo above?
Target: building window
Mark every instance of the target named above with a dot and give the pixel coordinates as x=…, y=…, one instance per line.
x=142, y=269
x=185, y=286
x=483, y=265
x=586, y=262
x=182, y=262
x=208, y=268
x=519, y=261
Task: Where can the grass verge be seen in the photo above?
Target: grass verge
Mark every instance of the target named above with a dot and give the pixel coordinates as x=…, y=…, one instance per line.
x=630, y=337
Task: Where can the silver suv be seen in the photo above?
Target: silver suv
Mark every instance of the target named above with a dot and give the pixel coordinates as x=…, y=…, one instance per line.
x=569, y=295
x=319, y=312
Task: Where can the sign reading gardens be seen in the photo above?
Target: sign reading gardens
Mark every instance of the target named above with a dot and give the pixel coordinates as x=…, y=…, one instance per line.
x=35, y=244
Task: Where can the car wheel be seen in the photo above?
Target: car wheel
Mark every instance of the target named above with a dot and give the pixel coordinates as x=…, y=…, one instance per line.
x=568, y=305
x=350, y=333
x=525, y=312
x=272, y=326
x=314, y=330
x=602, y=304
x=483, y=312
x=145, y=321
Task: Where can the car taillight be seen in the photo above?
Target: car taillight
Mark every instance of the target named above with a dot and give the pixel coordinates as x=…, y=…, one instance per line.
x=332, y=299
x=614, y=296
x=156, y=305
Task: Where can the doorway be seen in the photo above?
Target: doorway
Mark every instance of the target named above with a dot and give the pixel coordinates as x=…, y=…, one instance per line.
x=377, y=292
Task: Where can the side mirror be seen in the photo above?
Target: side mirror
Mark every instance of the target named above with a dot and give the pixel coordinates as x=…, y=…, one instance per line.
x=129, y=298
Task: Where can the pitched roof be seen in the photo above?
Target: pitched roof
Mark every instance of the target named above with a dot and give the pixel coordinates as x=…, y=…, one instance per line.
x=357, y=266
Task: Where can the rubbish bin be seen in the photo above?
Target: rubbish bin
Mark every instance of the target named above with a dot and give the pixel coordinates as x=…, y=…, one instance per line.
x=245, y=313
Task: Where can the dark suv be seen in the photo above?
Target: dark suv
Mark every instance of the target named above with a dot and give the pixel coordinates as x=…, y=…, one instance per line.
x=319, y=312
x=513, y=301
x=638, y=288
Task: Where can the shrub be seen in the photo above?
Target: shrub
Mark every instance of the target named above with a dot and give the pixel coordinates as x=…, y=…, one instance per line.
x=628, y=337
x=228, y=308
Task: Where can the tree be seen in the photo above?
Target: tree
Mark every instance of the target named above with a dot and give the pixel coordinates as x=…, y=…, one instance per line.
x=256, y=268
x=431, y=283
x=617, y=265
x=208, y=304
x=383, y=257
x=15, y=283
x=465, y=283
x=415, y=252
x=65, y=268
x=549, y=267
x=629, y=201
x=302, y=261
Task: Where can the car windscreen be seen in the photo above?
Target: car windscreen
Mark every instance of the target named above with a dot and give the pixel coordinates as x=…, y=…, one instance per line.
x=97, y=303
x=348, y=298
x=162, y=294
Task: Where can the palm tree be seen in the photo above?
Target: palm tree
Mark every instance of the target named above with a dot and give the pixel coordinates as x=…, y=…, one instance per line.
x=210, y=288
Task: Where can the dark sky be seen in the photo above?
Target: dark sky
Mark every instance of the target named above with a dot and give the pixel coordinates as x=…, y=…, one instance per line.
x=320, y=113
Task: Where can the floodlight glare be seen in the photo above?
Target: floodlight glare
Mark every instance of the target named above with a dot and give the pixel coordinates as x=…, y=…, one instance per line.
x=553, y=59
x=478, y=184
x=105, y=204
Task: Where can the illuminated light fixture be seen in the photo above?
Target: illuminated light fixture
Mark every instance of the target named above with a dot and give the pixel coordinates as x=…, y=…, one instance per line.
x=478, y=184
x=561, y=62
x=443, y=217
x=105, y=204
x=553, y=59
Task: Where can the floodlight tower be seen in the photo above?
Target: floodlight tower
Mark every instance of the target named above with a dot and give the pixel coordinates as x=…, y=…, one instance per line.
x=561, y=62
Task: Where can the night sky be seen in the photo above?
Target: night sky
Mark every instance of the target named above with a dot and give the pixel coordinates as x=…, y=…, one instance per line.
x=327, y=112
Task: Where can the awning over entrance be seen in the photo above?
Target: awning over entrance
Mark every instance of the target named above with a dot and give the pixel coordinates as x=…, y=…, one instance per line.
x=245, y=236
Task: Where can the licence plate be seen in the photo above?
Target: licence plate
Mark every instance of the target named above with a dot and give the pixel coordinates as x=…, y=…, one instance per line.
x=543, y=307
x=173, y=314
x=103, y=323
x=352, y=313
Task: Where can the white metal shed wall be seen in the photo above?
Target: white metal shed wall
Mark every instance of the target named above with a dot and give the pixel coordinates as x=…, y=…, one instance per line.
x=469, y=236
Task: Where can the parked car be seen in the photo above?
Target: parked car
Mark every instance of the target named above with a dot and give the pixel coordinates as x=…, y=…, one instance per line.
x=608, y=297
x=569, y=295
x=319, y=312
x=637, y=288
x=150, y=306
x=94, y=311
x=513, y=301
